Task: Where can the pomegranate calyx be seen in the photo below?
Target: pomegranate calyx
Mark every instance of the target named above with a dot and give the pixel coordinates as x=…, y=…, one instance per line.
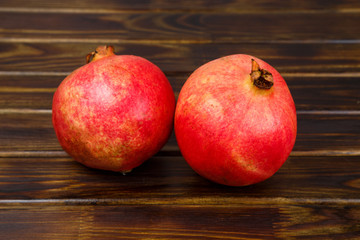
x=100, y=52
x=261, y=78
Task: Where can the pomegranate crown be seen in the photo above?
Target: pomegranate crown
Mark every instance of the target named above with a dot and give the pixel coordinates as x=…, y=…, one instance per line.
x=261, y=78
x=100, y=52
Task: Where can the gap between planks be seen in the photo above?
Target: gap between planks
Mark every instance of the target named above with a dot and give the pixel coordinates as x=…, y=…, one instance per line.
x=299, y=112
x=204, y=10
x=169, y=41
x=283, y=74
x=193, y=201
x=175, y=152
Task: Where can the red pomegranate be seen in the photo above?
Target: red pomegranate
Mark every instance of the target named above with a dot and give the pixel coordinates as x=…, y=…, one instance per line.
x=114, y=112
x=235, y=120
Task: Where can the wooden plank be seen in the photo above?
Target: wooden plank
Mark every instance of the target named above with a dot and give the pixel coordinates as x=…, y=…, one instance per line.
x=181, y=27
x=27, y=131
x=62, y=58
x=188, y=5
x=24, y=91
x=333, y=91
x=38, y=99
x=170, y=180
x=31, y=130
x=324, y=91
x=330, y=132
x=180, y=222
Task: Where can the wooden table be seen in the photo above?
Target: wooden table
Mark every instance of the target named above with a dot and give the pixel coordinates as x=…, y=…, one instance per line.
x=44, y=194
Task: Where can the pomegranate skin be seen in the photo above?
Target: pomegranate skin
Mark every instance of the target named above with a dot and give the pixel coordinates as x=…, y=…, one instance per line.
x=114, y=112
x=231, y=131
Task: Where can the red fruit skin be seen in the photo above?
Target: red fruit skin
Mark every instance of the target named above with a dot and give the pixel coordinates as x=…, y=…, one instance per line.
x=229, y=130
x=114, y=113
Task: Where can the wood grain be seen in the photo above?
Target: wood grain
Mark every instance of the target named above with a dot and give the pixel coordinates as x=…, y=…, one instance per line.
x=181, y=27
x=170, y=180
x=299, y=58
x=45, y=194
x=28, y=130
x=184, y=5
x=333, y=91
x=178, y=221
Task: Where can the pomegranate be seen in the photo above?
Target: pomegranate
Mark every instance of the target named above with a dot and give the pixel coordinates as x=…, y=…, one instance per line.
x=115, y=112
x=235, y=120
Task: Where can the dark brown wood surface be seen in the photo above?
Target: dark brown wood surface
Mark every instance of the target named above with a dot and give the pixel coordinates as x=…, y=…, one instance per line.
x=315, y=45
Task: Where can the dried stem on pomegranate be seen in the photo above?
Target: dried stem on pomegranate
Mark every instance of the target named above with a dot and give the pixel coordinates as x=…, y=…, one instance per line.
x=261, y=78
x=100, y=52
